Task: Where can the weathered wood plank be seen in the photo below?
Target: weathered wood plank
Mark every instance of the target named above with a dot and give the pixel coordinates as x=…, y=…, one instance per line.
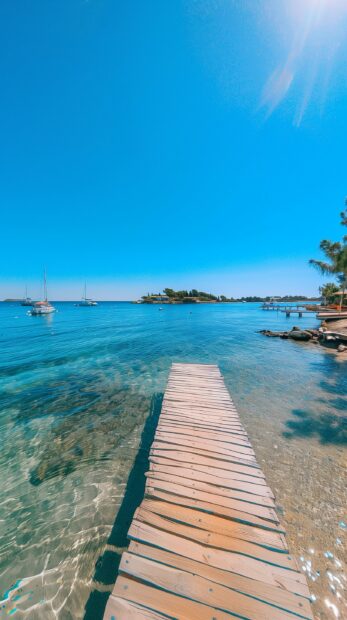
x=179, y=422
x=235, y=563
x=164, y=602
x=195, y=416
x=217, y=540
x=219, y=435
x=212, y=523
x=230, y=513
x=232, y=472
x=273, y=595
x=220, y=500
x=251, y=492
x=194, y=587
x=228, y=441
x=203, y=427
x=231, y=457
x=120, y=609
x=211, y=488
x=254, y=474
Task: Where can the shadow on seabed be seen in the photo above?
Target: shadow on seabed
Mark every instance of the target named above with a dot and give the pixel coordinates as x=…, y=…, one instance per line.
x=106, y=568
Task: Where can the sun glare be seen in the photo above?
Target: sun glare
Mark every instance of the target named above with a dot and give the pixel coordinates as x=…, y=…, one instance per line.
x=318, y=30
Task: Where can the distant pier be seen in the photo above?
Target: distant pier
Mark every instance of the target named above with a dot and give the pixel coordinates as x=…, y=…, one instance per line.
x=206, y=542
x=298, y=309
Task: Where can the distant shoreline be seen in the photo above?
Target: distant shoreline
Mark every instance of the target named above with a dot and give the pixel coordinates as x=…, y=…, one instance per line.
x=129, y=301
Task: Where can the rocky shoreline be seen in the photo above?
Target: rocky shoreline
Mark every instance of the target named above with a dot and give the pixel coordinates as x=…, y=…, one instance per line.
x=326, y=336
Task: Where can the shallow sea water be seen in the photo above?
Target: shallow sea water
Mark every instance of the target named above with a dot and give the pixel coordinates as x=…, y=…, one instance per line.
x=80, y=393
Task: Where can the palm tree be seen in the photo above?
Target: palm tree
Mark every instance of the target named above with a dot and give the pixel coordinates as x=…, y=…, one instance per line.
x=336, y=255
x=328, y=292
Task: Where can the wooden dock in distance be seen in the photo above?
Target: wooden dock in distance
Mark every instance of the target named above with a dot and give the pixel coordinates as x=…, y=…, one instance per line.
x=206, y=542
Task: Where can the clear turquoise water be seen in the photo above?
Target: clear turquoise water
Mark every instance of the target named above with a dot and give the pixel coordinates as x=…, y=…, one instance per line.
x=76, y=389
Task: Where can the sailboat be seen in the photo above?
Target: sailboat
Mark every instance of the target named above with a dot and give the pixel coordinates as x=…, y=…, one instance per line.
x=26, y=301
x=44, y=306
x=85, y=301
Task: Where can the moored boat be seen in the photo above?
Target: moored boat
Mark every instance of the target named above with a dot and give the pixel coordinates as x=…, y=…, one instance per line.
x=44, y=306
x=85, y=301
x=26, y=301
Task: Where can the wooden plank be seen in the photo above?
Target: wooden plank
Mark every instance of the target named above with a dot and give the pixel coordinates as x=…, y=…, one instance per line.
x=198, y=588
x=220, y=436
x=214, y=448
x=188, y=397
x=220, y=500
x=251, y=492
x=216, y=540
x=218, y=525
x=227, y=410
x=166, y=603
x=273, y=595
x=254, y=474
x=120, y=609
x=195, y=417
x=212, y=488
x=215, y=509
x=232, y=443
x=231, y=473
x=231, y=457
x=249, y=567
x=212, y=387
x=177, y=422
x=211, y=369
x=208, y=392
x=223, y=422
x=205, y=393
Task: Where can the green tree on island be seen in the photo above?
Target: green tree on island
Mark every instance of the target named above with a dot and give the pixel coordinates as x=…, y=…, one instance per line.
x=336, y=255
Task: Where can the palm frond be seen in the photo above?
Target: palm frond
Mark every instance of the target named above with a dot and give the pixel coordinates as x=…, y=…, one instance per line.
x=322, y=266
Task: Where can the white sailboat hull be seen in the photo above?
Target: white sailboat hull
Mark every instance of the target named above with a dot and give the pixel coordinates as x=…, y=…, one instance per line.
x=87, y=303
x=42, y=310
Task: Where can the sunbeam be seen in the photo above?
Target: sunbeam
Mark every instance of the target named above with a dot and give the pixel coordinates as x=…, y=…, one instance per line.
x=318, y=29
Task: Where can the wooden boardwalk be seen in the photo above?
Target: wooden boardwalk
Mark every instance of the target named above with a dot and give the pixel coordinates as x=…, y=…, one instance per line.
x=206, y=542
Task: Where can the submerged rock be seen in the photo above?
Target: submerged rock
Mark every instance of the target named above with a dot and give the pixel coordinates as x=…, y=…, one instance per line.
x=74, y=440
x=271, y=334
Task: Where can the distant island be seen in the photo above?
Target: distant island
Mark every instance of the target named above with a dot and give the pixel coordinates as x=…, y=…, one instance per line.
x=170, y=296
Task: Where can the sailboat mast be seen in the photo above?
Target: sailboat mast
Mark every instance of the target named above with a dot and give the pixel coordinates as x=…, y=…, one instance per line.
x=44, y=285
x=85, y=290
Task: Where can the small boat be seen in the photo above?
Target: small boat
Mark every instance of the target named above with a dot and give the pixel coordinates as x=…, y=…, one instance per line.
x=44, y=306
x=26, y=301
x=85, y=301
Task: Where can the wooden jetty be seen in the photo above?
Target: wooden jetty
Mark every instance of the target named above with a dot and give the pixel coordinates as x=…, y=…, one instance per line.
x=206, y=542
x=289, y=311
x=331, y=316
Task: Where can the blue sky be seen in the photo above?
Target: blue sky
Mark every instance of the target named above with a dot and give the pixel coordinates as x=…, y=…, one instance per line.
x=182, y=143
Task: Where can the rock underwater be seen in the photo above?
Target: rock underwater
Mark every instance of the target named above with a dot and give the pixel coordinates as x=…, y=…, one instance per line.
x=90, y=435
